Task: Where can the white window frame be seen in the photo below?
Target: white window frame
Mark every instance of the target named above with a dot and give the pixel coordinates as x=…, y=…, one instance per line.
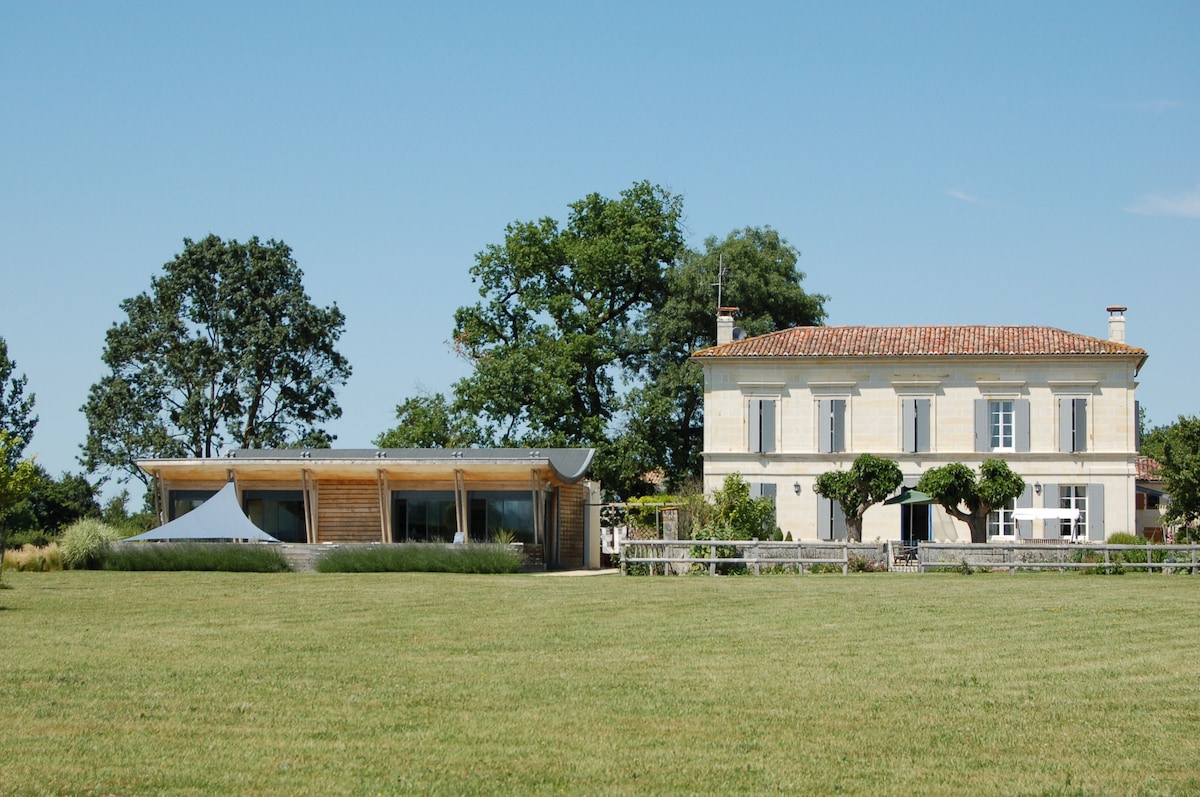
x=1002, y=414
x=1001, y=523
x=1074, y=496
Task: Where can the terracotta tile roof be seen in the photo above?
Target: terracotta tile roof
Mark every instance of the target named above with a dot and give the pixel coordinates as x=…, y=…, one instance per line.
x=1147, y=469
x=929, y=341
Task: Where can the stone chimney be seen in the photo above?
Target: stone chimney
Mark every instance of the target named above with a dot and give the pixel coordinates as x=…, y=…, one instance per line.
x=1116, y=324
x=725, y=324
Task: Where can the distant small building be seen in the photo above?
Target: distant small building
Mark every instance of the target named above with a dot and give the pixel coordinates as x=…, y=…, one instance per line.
x=1152, y=499
x=539, y=496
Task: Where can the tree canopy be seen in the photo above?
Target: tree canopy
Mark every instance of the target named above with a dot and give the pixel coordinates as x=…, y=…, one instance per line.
x=225, y=348
x=583, y=334
x=16, y=409
x=17, y=477
x=969, y=499
x=1179, y=458
x=870, y=480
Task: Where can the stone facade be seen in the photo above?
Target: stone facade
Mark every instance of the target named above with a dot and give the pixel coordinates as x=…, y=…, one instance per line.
x=1059, y=408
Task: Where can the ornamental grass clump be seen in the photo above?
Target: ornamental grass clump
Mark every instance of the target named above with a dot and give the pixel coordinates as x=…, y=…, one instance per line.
x=34, y=558
x=228, y=558
x=479, y=558
x=85, y=543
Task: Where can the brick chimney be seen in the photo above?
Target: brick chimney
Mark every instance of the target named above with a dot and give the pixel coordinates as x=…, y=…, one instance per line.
x=1116, y=324
x=725, y=324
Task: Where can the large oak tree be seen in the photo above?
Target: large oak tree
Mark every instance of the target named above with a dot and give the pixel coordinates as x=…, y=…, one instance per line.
x=583, y=334
x=225, y=349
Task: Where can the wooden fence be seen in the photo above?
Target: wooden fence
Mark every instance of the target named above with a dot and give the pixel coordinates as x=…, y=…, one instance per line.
x=1036, y=555
x=679, y=557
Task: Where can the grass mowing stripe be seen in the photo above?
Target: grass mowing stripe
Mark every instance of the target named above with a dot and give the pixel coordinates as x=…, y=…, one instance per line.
x=200, y=683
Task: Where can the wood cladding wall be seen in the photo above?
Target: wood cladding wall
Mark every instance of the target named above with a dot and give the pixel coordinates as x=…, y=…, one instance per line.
x=348, y=512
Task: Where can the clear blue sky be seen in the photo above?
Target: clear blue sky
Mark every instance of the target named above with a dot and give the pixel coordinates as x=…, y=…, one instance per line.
x=935, y=163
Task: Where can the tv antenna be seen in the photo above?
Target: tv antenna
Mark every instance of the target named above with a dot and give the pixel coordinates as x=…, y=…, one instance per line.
x=721, y=272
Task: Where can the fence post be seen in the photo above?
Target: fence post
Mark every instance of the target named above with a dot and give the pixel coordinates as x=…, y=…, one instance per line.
x=712, y=555
x=1150, y=558
x=1107, y=569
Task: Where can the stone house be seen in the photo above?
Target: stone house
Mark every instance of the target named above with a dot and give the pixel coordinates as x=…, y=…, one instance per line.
x=1059, y=407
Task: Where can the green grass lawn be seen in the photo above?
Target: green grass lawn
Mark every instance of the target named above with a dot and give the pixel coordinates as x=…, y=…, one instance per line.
x=227, y=683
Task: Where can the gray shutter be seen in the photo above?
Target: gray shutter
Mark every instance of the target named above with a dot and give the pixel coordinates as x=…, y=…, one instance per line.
x=983, y=431
x=1051, y=529
x=1095, y=512
x=762, y=490
x=754, y=414
x=767, y=425
x=1025, y=501
x=1066, y=426
x=824, y=427
x=839, y=424
x=824, y=518
x=768, y=491
x=1021, y=411
x=839, y=522
x=908, y=420
x=1079, y=423
x=922, y=421
x=1137, y=426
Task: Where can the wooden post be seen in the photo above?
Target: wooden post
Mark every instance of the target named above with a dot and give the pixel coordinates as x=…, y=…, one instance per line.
x=381, y=488
x=310, y=533
x=160, y=498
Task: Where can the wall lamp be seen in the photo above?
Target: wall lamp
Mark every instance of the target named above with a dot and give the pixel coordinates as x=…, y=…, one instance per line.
x=1037, y=487
x=796, y=487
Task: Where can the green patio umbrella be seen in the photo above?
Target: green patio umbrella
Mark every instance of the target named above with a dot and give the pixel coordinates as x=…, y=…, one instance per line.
x=910, y=498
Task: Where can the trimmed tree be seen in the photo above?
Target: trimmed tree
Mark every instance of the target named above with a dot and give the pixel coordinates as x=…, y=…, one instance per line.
x=970, y=499
x=869, y=480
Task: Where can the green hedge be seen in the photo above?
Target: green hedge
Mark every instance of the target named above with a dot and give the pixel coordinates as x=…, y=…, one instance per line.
x=231, y=557
x=423, y=558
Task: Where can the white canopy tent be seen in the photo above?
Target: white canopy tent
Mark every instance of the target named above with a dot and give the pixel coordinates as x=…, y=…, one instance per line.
x=218, y=518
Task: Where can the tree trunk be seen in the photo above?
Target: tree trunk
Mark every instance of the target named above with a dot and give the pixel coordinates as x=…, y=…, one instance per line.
x=978, y=524
x=853, y=529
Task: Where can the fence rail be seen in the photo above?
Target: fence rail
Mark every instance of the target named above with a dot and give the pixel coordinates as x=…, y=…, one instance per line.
x=1056, y=555
x=684, y=556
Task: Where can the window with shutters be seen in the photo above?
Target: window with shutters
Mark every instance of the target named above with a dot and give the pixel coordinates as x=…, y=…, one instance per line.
x=766, y=490
x=1074, y=496
x=1002, y=424
x=831, y=425
x=914, y=424
x=1072, y=425
x=760, y=423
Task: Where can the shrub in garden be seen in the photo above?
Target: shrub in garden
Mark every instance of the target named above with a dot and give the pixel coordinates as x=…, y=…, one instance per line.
x=477, y=558
x=85, y=543
x=229, y=558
